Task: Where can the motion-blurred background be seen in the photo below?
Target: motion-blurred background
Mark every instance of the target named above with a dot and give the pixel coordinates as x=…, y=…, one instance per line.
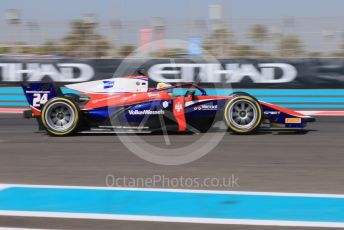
x=260, y=47
x=227, y=28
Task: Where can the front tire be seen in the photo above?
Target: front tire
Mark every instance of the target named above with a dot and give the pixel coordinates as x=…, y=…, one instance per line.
x=60, y=116
x=243, y=114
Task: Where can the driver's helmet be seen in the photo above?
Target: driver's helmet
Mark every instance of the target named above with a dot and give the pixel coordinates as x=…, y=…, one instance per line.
x=162, y=85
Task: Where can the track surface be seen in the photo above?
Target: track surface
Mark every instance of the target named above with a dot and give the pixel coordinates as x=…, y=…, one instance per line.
x=310, y=163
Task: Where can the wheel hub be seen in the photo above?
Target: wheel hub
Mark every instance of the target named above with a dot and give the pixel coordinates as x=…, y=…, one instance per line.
x=242, y=114
x=60, y=116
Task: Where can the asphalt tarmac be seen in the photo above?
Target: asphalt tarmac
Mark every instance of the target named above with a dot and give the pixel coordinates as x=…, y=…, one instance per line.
x=309, y=162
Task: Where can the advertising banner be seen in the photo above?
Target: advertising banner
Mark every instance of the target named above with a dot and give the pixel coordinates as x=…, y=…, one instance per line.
x=236, y=73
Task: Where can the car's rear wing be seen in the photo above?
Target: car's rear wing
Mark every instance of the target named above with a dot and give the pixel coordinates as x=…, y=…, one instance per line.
x=37, y=94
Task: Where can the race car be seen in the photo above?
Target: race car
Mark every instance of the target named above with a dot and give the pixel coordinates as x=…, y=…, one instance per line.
x=128, y=104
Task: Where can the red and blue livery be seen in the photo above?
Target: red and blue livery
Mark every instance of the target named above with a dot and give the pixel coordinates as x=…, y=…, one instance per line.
x=128, y=104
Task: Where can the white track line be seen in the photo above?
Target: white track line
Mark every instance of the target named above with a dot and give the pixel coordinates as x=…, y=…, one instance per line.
x=173, y=219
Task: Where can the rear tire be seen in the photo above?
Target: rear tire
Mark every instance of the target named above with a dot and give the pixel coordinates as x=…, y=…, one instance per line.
x=61, y=116
x=243, y=114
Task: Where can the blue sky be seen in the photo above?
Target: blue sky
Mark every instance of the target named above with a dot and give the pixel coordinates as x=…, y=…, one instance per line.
x=53, y=17
x=171, y=9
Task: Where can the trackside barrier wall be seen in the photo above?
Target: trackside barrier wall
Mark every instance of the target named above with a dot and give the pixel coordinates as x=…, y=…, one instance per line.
x=294, y=83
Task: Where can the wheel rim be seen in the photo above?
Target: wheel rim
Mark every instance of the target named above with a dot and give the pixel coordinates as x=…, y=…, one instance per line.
x=243, y=114
x=60, y=116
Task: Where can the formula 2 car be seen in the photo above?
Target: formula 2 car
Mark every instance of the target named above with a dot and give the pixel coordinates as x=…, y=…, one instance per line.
x=127, y=103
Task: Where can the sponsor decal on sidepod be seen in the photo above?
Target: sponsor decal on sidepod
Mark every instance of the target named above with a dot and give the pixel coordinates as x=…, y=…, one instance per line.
x=146, y=112
x=206, y=107
x=108, y=84
x=165, y=104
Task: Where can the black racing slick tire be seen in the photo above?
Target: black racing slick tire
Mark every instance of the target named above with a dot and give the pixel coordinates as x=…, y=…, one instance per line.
x=61, y=116
x=243, y=114
x=240, y=93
